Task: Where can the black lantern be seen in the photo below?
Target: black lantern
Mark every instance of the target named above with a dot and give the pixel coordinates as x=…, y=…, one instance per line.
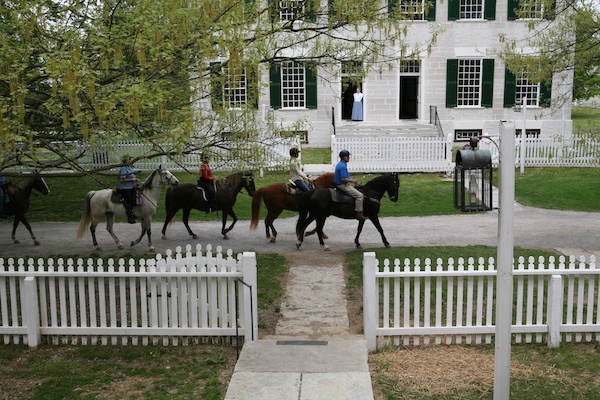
x=473, y=179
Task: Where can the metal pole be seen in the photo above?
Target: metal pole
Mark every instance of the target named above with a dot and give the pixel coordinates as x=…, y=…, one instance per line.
x=523, y=134
x=504, y=276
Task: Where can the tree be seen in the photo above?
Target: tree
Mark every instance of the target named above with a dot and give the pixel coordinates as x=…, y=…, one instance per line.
x=564, y=41
x=82, y=71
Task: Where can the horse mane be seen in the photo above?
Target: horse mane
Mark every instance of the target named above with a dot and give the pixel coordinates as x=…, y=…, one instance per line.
x=234, y=180
x=148, y=181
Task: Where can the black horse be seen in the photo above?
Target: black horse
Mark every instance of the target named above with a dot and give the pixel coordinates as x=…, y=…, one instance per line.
x=18, y=194
x=319, y=204
x=187, y=196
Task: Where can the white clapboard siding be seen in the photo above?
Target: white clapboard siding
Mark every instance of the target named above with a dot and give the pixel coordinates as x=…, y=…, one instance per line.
x=172, y=299
x=447, y=302
x=394, y=153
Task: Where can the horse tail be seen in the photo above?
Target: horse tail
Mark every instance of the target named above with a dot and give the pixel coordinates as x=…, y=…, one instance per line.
x=256, y=200
x=86, y=217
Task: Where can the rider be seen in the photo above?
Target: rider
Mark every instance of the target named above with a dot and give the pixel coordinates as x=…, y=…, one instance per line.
x=297, y=176
x=127, y=186
x=342, y=181
x=207, y=182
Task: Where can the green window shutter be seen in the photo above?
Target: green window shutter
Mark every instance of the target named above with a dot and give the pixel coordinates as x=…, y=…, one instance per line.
x=513, y=6
x=453, y=10
x=252, y=85
x=487, y=88
x=545, y=94
x=430, y=10
x=550, y=13
x=392, y=5
x=274, y=10
x=451, y=83
x=275, y=85
x=311, y=10
x=311, y=85
x=510, y=88
x=489, y=10
x=216, y=86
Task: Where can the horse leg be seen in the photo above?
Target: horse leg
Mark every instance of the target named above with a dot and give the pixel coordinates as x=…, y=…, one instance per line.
x=143, y=232
x=14, y=230
x=319, y=228
x=93, y=226
x=170, y=215
x=375, y=220
x=146, y=230
x=361, y=223
x=301, y=225
x=186, y=219
x=110, y=219
x=269, y=227
x=308, y=233
x=224, y=219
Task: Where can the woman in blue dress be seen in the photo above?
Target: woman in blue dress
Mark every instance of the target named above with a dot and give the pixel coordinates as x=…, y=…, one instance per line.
x=357, y=106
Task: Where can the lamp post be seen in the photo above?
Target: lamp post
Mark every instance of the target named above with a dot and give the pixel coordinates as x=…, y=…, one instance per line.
x=504, y=275
x=522, y=106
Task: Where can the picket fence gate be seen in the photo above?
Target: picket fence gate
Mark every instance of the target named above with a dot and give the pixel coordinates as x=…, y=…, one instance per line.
x=180, y=298
x=413, y=304
x=376, y=154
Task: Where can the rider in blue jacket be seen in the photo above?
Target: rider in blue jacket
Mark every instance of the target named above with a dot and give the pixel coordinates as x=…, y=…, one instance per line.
x=343, y=182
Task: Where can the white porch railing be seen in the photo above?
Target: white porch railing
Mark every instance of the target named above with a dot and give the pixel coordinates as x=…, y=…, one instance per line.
x=415, y=304
x=550, y=152
x=180, y=298
x=394, y=153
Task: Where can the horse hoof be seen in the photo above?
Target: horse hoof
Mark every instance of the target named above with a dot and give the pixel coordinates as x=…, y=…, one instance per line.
x=16, y=241
x=273, y=239
x=132, y=244
x=325, y=236
x=195, y=237
x=120, y=247
x=358, y=246
x=164, y=237
x=152, y=249
x=36, y=243
x=225, y=237
x=298, y=244
x=387, y=246
x=325, y=248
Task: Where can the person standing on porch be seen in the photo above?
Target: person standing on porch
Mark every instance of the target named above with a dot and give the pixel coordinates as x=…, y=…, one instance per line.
x=357, y=106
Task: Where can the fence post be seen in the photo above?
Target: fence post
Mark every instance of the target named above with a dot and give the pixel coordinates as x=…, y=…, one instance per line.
x=449, y=143
x=31, y=310
x=555, y=309
x=250, y=297
x=370, y=300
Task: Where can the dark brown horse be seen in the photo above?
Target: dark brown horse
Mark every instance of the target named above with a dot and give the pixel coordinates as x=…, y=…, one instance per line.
x=277, y=198
x=19, y=193
x=187, y=196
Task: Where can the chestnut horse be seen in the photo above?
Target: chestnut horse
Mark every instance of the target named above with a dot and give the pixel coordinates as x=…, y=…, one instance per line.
x=277, y=198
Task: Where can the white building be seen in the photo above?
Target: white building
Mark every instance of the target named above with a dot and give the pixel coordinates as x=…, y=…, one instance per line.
x=462, y=80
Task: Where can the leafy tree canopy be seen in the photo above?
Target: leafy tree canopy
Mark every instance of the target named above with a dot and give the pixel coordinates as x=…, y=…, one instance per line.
x=83, y=71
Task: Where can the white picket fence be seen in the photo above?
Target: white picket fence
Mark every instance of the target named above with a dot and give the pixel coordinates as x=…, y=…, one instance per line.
x=389, y=153
x=549, y=151
x=267, y=153
x=412, y=304
x=180, y=298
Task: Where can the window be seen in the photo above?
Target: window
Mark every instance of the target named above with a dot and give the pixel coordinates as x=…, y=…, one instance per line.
x=469, y=82
x=414, y=9
x=293, y=85
x=471, y=9
x=233, y=87
x=409, y=66
x=515, y=89
x=529, y=133
x=293, y=10
x=529, y=9
x=466, y=134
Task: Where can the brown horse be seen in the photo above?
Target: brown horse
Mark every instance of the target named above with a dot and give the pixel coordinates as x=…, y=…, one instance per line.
x=277, y=198
x=19, y=194
x=187, y=196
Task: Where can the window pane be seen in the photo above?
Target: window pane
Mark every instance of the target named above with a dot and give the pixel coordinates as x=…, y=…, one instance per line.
x=293, y=85
x=290, y=9
x=471, y=9
x=235, y=88
x=469, y=82
x=527, y=90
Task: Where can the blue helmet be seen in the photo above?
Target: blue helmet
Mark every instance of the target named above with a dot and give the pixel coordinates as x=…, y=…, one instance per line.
x=344, y=153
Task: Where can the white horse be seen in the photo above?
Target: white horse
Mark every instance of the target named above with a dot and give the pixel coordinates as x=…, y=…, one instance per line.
x=98, y=203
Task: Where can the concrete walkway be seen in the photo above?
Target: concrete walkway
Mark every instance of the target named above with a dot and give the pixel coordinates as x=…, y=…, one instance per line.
x=312, y=355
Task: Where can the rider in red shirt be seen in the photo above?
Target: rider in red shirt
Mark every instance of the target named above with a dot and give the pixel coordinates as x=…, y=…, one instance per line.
x=207, y=182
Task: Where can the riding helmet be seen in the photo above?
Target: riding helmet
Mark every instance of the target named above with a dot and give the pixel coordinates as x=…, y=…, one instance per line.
x=344, y=153
x=294, y=151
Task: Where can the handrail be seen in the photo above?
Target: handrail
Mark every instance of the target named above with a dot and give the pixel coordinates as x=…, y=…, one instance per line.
x=434, y=119
x=333, y=118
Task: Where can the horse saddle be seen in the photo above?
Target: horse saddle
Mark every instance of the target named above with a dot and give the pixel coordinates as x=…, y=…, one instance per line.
x=337, y=196
x=203, y=192
x=291, y=188
x=117, y=198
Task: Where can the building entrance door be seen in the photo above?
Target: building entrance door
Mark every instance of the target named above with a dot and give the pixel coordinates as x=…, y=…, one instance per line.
x=409, y=97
